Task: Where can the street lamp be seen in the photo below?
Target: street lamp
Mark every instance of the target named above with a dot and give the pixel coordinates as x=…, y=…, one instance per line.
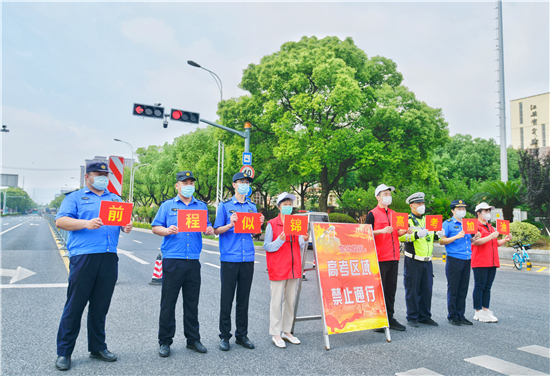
x=131, y=190
x=214, y=76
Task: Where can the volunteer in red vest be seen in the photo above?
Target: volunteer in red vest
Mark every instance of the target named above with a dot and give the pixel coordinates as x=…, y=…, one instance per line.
x=284, y=266
x=485, y=262
x=387, y=249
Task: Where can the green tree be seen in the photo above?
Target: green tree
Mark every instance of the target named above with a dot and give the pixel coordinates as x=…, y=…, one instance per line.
x=535, y=175
x=501, y=195
x=17, y=199
x=56, y=202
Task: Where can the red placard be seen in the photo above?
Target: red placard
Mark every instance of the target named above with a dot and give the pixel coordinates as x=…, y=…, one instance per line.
x=295, y=225
x=469, y=225
x=503, y=226
x=114, y=213
x=192, y=220
x=248, y=223
x=434, y=222
x=400, y=221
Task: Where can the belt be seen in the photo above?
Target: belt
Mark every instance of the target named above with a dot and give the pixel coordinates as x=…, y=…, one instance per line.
x=410, y=255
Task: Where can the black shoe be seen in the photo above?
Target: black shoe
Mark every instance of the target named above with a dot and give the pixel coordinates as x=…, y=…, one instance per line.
x=164, y=350
x=244, y=342
x=63, y=363
x=104, y=355
x=304, y=278
x=197, y=346
x=429, y=322
x=413, y=323
x=395, y=325
x=379, y=330
x=455, y=322
x=466, y=322
x=224, y=345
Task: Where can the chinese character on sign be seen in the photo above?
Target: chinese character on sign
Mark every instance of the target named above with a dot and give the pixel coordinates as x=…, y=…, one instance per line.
x=534, y=121
x=503, y=227
x=434, y=222
x=347, y=296
x=359, y=295
x=336, y=296
x=369, y=290
x=344, y=268
x=192, y=220
x=534, y=113
x=296, y=225
x=247, y=223
x=400, y=221
x=354, y=267
x=115, y=214
x=332, y=269
x=365, y=265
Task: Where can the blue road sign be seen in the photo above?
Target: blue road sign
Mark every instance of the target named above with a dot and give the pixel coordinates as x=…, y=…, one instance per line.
x=247, y=159
x=249, y=191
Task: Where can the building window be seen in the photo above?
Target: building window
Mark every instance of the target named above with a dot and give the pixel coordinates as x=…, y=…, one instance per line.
x=521, y=136
x=521, y=114
x=543, y=135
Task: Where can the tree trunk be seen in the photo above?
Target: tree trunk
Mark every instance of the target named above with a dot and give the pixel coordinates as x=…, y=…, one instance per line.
x=508, y=213
x=325, y=190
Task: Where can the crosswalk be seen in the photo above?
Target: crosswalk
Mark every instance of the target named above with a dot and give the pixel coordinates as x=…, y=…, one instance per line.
x=492, y=363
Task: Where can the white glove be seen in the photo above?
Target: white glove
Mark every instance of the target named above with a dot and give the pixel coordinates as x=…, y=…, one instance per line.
x=440, y=234
x=422, y=233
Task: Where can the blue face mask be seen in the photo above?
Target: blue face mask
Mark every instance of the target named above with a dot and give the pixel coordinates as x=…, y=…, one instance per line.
x=286, y=210
x=100, y=182
x=243, y=188
x=187, y=190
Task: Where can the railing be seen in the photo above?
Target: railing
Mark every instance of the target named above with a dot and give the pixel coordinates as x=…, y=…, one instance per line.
x=61, y=236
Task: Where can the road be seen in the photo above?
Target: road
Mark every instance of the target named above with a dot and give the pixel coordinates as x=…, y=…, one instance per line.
x=32, y=307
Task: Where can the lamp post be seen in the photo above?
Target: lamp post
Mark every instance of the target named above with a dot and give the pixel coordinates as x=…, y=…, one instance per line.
x=134, y=174
x=214, y=76
x=131, y=190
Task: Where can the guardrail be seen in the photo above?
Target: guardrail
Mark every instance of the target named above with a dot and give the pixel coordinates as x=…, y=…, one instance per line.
x=62, y=236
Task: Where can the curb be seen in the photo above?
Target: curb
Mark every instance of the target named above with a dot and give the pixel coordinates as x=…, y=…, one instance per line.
x=505, y=253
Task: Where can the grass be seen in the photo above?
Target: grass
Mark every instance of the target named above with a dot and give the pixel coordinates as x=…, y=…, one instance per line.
x=542, y=243
x=212, y=237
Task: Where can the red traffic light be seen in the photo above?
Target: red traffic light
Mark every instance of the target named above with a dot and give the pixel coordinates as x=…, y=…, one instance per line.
x=139, y=109
x=148, y=111
x=176, y=114
x=184, y=116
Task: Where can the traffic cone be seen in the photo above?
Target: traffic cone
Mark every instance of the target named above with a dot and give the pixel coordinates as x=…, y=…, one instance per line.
x=157, y=272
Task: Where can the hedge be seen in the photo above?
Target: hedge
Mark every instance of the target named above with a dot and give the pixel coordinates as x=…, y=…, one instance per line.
x=522, y=230
x=340, y=218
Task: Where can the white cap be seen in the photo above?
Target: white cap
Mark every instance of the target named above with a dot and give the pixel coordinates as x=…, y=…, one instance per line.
x=284, y=196
x=383, y=187
x=483, y=206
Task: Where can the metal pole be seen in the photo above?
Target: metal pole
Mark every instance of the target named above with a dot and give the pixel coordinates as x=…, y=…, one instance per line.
x=218, y=177
x=5, y=196
x=503, y=152
x=246, y=138
x=221, y=176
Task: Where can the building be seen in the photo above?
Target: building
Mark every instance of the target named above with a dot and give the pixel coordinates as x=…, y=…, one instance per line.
x=530, y=119
x=127, y=163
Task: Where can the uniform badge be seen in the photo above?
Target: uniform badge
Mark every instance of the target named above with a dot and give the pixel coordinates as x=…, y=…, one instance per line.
x=85, y=198
x=456, y=226
x=250, y=211
x=232, y=211
x=174, y=209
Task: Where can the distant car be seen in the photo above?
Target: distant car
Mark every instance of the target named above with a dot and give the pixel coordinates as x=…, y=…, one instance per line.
x=314, y=217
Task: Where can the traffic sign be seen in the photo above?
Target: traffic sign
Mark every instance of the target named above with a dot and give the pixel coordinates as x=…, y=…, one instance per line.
x=116, y=174
x=249, y=191
x=148, y=111
x=247, y=158
x=248, y=170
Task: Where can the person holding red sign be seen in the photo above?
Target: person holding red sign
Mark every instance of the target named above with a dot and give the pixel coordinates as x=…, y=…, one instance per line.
x=284, y=265
x=237, y=262
x=485, y=261
x=94, y=265
x=181, y=267
x=387, y=249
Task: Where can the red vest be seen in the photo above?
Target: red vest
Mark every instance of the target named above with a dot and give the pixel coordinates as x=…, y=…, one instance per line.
x=284, y=263
x=387, y=245
x=485, y=255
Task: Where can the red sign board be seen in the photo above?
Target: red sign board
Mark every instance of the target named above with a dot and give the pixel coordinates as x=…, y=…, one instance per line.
x=295, y=225
x=114, y=213
x=248, y=223
x=400, y=221
x=469, y=225
x=192, y=220
x=434, y=222
x=503, y=227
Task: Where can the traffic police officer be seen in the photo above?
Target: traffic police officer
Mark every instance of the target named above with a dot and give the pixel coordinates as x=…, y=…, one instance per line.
x=418, y=268
x=94, y=265
x=458, y=247
x=237, y=262
x=181, y=267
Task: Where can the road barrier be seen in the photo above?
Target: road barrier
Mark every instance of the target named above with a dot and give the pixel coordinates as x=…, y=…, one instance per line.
x=61, y=236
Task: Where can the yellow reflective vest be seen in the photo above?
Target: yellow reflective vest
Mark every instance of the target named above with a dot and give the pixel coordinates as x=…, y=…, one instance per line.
x=422, y=247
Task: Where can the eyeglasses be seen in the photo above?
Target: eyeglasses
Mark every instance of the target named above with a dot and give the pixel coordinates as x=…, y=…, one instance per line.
x=243, y=182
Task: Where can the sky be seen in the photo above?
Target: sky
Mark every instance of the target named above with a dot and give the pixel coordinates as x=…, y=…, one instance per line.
x=71, y=71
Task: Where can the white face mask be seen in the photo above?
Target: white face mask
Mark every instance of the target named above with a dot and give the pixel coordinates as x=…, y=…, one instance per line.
x=487, y=216
x=386, y=200
x=421, y=209
x=460, y=214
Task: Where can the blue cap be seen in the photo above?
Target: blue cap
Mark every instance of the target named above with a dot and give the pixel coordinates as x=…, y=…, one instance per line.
x=184, y=175
x=242, y=175
x=456, y=203
x=97, y=166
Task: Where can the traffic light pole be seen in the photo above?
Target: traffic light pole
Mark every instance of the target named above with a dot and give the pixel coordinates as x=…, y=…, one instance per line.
x=245, y=134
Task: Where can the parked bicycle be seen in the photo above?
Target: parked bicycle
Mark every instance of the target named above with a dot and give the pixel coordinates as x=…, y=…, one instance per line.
x=521, y=256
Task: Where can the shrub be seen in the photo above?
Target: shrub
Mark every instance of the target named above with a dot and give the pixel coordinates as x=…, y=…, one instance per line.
x=539, y=225
x=526, y=232
x=142, y=225
x=341, y=218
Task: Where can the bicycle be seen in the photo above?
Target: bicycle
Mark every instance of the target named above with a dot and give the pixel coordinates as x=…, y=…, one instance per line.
x=521, y=256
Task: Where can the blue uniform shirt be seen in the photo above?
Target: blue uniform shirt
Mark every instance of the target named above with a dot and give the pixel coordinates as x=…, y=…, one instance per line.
x=183, y=245
x=460, y=248
x=84, y=204
x=234, y=247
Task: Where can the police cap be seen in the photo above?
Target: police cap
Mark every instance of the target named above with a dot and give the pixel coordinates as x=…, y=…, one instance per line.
x=242, y=175
x=415, y=197
x=97, y=166
x=184, y=175
x=456, y=203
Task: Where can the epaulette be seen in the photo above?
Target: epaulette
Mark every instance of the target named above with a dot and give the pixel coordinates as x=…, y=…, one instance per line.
x=68, y=193
x=228, y=200
x=448, y=220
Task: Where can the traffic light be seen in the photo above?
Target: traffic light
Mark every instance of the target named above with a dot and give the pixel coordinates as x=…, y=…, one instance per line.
x=185, y=116
x=148, y=111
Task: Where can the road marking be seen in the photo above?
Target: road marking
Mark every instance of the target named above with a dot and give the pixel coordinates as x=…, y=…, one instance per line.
x=16, y=274
x=216, y=266
x=418, y=372
x=131, y=255
x=21, y=224
x=211, y=252
x=137, y=241
x=537, y=350
x=260, y=254
x=35, y=285
x=541, y=269
x=61, y=251
x=502, y=366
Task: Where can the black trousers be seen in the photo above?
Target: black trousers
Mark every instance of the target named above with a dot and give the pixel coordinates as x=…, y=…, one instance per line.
x=388, y=276
x=458, y=279
x=184, y=275
x=92, y=279
x=235, y=276
x=418, y=281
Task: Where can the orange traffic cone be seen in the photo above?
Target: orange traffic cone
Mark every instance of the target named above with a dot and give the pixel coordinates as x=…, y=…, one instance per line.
x=157, y=272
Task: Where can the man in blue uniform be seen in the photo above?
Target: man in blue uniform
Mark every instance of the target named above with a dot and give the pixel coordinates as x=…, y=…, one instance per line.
x=94, y=265
x=181, y=267
x=458, y=246
x=237, y=262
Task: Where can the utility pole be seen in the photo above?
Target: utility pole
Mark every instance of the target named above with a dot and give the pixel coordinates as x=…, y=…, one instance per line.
x=502, y=106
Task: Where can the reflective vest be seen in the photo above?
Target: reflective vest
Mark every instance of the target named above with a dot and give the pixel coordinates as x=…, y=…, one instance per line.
x=387, y=245
x=422, y=247
x=285, y=263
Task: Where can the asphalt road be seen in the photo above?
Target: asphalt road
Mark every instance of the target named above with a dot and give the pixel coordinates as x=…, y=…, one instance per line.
x=31, y=309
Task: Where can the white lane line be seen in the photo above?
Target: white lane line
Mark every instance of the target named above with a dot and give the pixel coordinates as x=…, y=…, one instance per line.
x=537, y=350
x=502, y=366
x=21, y=224
x=260, y=254
x=418, y=372
x=34, y=285
x=131, y=255
x=211, y=252
x=256, y=262
x=137, y=241
x=216, y=266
